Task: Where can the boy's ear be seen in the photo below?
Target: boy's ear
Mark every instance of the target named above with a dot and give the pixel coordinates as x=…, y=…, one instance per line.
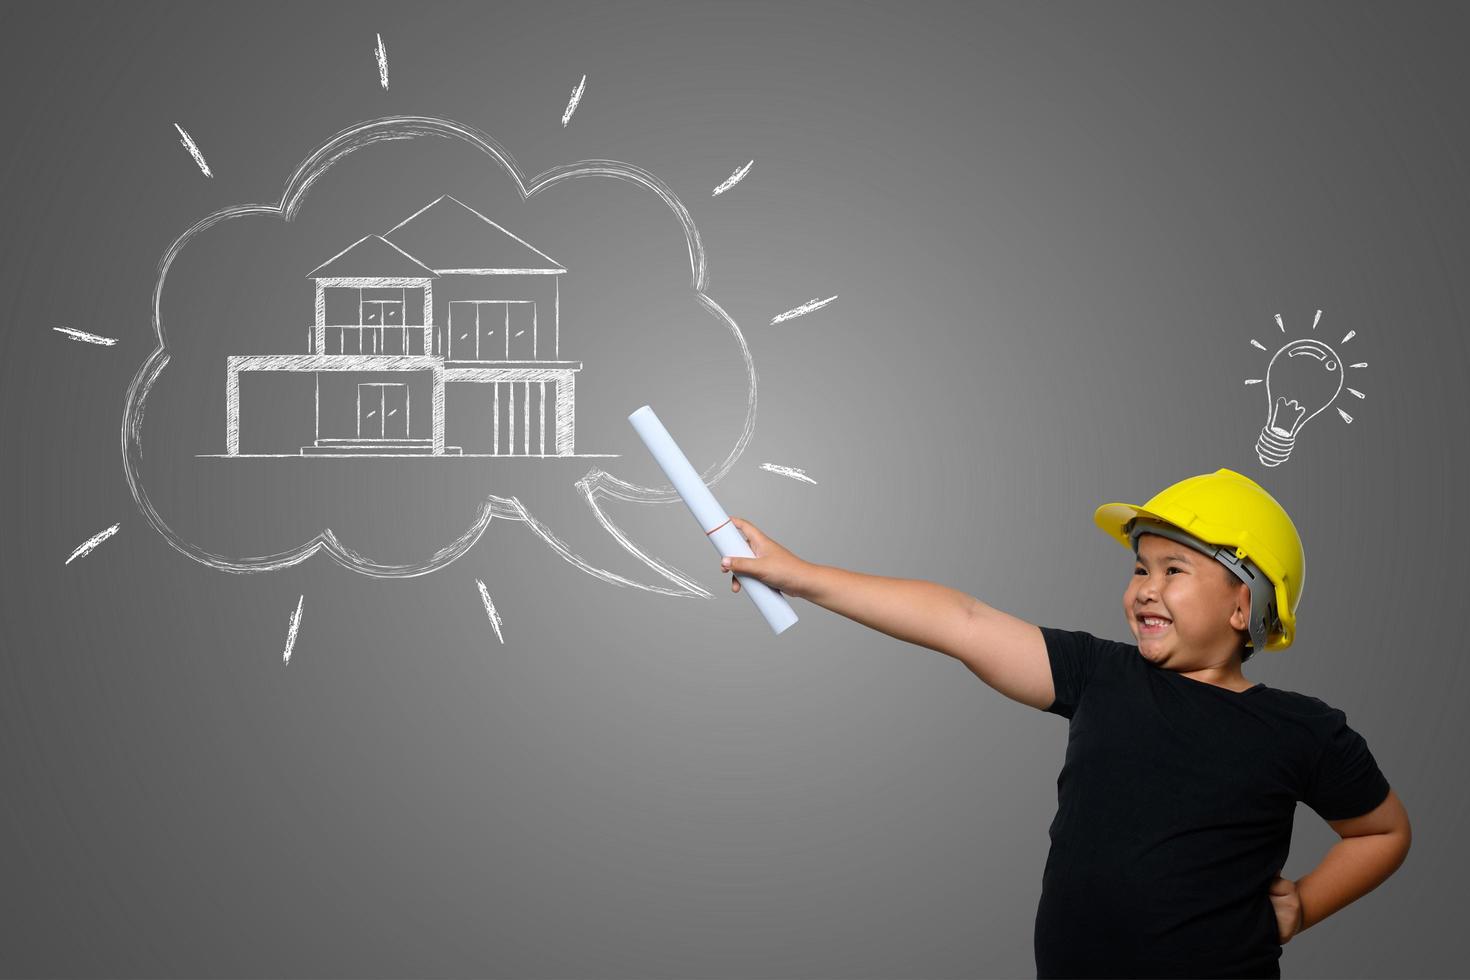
x=1240, y=617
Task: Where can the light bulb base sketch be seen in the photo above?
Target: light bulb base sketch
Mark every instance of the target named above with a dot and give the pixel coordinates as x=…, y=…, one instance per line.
x=1273, y=448
x=1304, y=377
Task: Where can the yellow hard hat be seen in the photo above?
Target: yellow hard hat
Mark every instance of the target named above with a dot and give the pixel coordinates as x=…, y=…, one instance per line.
x=1241, y=524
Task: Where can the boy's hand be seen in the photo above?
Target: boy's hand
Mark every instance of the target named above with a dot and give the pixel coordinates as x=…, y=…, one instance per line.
x=772, y=564
x=1288, y=908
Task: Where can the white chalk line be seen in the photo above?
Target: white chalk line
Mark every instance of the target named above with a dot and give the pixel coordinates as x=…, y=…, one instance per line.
x=382, y=64
x=733, y=179
x=490, y=609
x=85, y=548
x=576, y=98
x=1280, y=324
x=1316, y=319
x=291, y=633
x=188, y=142
x=84, y=337
x=802, y=310
x=790, y=471
x=1257, y=343
x=448, y=459
x=1252, y=381
x=1345, y=416
x=1350, y=335
x=1359, y=364
x=1357, y=392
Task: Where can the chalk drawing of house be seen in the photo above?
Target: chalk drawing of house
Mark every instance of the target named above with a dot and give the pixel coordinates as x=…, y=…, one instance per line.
x=445, y=298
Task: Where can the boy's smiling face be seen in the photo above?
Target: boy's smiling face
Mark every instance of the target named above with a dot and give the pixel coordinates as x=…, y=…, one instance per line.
x=1185, y=608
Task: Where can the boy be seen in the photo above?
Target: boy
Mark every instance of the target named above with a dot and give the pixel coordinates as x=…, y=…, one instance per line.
x=1181, y=778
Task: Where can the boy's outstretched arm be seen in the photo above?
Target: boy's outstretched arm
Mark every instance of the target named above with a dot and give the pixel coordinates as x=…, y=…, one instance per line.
x=1007, y=653
x=1372, y=848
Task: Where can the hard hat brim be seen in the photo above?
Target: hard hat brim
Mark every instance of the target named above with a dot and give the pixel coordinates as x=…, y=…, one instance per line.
x=1112, y=520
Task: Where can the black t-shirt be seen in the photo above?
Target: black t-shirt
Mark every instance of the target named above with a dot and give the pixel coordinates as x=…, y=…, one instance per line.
x=1174, y=813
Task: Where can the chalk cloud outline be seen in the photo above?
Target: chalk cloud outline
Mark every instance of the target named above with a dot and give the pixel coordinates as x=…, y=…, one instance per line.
x=597, y=485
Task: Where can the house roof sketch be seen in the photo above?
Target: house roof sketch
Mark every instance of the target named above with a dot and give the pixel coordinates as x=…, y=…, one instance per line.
x=372, y=256
x=449, y=236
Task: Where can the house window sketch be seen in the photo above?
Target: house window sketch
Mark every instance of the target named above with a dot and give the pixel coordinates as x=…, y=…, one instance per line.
x=445, y=297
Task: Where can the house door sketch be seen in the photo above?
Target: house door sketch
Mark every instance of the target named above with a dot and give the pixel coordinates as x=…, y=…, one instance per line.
x=382, y=411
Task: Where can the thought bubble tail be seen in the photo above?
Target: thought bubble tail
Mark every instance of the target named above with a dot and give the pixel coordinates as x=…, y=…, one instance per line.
x=582, y=528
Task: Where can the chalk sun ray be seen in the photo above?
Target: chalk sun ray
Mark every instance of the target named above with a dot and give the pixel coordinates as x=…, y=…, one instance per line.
x=85, y=548
x=188, y=143
x=733, y=179
x=85, y=337
x=802, y=310
x=490, y=609
x=791, y=471
x=382, y=64
x=572, y=103
x=292, y=630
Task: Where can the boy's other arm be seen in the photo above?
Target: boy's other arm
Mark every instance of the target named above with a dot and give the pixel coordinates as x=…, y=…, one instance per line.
x=1372, y=848
x=1005, y=652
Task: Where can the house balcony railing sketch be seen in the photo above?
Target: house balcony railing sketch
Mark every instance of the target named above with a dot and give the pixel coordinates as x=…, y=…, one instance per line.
x=446, y=299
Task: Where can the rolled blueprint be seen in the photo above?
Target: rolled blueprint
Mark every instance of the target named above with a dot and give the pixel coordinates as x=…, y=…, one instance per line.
x=713, y=520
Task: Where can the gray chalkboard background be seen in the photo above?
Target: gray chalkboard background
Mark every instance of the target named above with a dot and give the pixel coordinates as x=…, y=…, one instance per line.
x=1053, y=232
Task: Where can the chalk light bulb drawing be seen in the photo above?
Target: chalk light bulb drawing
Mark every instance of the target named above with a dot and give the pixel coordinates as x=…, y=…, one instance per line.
x=1303, y=379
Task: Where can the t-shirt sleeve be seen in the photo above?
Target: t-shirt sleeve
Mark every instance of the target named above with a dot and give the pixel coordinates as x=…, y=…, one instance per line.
x=1347, y=781
x=1075, y=656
